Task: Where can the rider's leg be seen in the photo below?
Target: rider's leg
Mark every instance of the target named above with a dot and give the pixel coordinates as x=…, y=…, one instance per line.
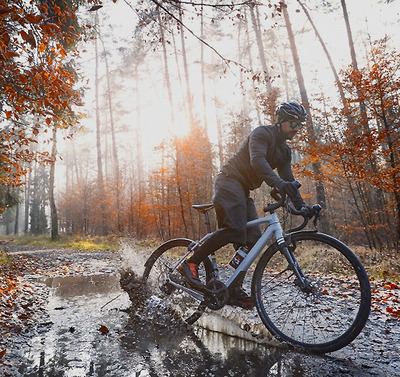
x=237, y=295
x=252, y=234
x=217, y=240
x=230, y=205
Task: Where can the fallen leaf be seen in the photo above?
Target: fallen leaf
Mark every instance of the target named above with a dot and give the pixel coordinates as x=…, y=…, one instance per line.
x=95, y=7
x=104, y=330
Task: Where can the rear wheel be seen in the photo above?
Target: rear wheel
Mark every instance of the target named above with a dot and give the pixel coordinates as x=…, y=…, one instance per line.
x=160, y=265
x=331, y=311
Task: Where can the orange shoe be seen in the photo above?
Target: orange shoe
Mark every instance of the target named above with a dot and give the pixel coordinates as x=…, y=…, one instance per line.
x=190, y=272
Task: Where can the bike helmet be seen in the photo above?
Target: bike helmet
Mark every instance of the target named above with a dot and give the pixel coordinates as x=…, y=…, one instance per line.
x=290, y=111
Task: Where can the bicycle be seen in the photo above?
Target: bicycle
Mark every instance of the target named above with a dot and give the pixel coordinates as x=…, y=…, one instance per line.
x=309, y=288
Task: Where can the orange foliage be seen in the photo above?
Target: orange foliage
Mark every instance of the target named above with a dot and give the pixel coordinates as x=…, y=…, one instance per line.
x=358, y=145
x=36, y=85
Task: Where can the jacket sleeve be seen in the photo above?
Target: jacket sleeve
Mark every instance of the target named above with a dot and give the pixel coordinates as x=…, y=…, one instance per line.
x=286, y=173
x=259, y=140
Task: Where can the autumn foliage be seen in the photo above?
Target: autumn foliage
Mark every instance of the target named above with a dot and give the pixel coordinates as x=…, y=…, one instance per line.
x=37, y=78
x=359, y=147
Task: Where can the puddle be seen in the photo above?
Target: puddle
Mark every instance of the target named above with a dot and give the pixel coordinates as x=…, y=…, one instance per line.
x=93, y=329
x=90, y=332
x=85, y=316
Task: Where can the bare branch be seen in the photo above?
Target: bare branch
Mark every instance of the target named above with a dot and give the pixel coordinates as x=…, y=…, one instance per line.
x=231, y=5
x=227, y=61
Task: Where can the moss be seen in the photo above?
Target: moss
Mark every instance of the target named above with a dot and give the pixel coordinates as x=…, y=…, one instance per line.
x=69, y=242
x=4, y=258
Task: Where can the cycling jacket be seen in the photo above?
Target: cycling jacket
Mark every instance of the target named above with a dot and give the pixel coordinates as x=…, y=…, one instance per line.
x=263, y=151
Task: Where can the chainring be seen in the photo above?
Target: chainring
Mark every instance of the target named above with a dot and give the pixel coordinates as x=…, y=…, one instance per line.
x=215, y=294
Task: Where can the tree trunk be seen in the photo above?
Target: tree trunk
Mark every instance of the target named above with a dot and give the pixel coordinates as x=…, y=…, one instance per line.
x=186, y=70
x=139, y=154
x=16, y=223
x=179, y=187
x=248, y=53
x=316, y=166
x=245, y=107
x=100, y=180
x=53, y=208
x=27, y=201
x=261, y=49
x=323, y=45
x=203, y=85
x=114, y=145
x=363, y=109
x=166, y=69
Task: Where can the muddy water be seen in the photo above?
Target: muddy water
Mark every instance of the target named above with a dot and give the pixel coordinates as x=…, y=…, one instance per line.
x=92, y=333
x=92, y=328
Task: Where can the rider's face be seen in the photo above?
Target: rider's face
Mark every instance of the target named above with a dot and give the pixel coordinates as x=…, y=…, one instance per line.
x=289, y=129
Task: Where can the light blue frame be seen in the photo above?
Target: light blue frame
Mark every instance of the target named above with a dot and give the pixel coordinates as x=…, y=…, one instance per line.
x=274, y=228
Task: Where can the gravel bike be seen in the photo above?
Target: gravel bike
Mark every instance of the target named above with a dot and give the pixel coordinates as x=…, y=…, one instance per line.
x=309, y=288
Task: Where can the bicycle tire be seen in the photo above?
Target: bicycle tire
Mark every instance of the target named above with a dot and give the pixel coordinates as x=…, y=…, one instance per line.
x=335, y=311
x=160, y=264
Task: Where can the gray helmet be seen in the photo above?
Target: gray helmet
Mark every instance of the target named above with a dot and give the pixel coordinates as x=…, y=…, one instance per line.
x=291, y=111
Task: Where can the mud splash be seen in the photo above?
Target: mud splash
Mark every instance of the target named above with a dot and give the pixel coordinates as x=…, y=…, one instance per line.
x=87, y=325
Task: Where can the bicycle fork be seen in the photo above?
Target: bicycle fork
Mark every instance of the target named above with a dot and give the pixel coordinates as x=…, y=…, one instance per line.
x=293, y=265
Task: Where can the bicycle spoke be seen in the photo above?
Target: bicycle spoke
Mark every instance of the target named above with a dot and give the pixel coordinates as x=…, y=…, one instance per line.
x=322, y=310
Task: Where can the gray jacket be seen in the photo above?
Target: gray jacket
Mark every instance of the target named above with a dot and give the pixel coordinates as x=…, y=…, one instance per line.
x=263, y=151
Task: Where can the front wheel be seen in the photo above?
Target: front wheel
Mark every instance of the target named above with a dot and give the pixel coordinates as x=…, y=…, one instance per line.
x=327, y=314
x=160, y=265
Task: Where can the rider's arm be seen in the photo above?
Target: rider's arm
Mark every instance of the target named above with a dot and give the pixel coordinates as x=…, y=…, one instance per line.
x=286, y=173
x=259, y=140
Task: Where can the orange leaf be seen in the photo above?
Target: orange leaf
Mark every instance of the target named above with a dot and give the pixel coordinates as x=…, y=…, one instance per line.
x=2, y=353
x=95, y=7
x=5, y=10
x=33, y=19
x=104, y=330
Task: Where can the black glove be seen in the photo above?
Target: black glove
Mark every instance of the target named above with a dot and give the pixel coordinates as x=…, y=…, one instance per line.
x=289, y=188
x=307, y=211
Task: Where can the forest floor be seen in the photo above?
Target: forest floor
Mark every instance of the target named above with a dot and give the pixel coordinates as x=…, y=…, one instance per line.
x=41, y=332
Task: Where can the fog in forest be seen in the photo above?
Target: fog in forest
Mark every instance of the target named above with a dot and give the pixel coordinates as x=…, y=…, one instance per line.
x=171, y=91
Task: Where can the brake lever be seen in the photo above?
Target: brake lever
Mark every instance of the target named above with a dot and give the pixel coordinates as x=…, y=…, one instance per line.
x=317, y=209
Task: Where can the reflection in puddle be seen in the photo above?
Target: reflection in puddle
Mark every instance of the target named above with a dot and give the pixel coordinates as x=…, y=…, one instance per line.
x=149, y=341
x=70, y=286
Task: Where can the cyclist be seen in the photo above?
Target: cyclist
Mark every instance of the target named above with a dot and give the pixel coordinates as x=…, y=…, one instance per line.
x=264, y=150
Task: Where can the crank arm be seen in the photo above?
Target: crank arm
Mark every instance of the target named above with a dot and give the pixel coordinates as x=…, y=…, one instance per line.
x=196, y=294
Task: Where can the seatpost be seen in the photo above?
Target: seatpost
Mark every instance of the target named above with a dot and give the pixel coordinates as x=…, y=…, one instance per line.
x=208, y=224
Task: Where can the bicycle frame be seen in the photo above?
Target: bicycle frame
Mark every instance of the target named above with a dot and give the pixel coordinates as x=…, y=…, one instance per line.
x=274, y=228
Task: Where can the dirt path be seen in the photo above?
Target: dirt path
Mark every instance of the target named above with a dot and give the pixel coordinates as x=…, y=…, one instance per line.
x=62, y=313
